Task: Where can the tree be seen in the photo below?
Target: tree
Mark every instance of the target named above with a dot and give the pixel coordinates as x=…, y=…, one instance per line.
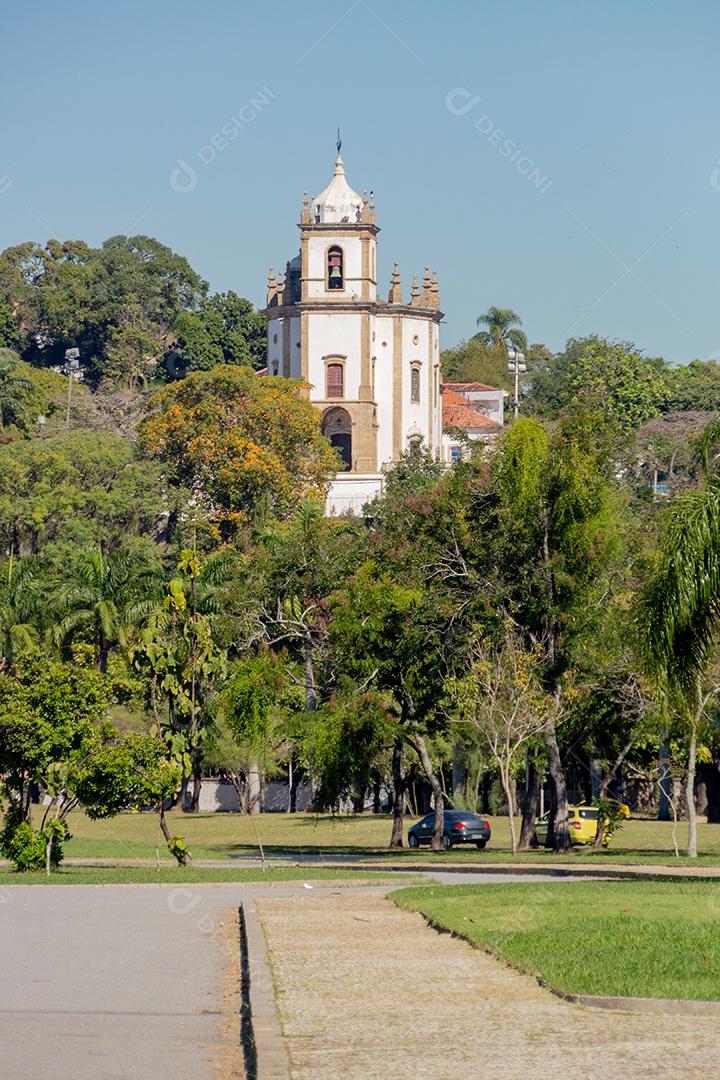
x=283, y=600
x=346, y=743
x=102, y=596
x=503, y=327
x=54, y=733
x=18, y=610
x=614, y=377
x=502, y=700
x=248, y=447
x=694, y=387
x=389, y=635
x=133, y=351
x=680, y=616
x=224, y=330
x=250, y=738
x=663, y=449
x=9, y=330
x=560, y=530
x=475, y=361
x=68, y=294
x=12, y=405
x=60, y=493
x=184, y=664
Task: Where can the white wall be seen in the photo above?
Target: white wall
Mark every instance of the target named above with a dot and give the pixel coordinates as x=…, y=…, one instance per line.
x=352, y=267
x=351, y=492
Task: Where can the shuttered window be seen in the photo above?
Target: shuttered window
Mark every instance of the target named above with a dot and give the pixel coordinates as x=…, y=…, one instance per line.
x=334, y=380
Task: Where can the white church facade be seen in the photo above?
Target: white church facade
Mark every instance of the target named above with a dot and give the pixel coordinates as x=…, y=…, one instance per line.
x=372, y=365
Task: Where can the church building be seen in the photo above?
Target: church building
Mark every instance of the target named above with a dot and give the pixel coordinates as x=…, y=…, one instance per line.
x=373, y=365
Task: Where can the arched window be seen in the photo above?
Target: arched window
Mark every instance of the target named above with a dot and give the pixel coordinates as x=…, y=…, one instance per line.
x=335, y=380
x=337, y=428
x=335, y=279
x=415, y=384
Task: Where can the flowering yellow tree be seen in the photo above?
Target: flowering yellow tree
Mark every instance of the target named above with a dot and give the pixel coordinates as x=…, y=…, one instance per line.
x=246, y=446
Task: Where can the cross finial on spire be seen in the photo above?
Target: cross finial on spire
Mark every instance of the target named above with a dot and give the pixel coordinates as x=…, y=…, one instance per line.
x=339, y=140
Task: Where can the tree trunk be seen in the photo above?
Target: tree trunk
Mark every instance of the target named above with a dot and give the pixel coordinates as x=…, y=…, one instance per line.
x=103, y=657
x=664, y=778
x=183, y=859
x=196, y=788
x=437, y=840
x=506, y=781
x=560, y=832
x=530, y=808
x=293, y=788
x=458, y=773
x=359, y=800
x=254, y=789
x=310, y=688
x=163, y=823
x=690, y=796
x=596, y=774
x=396, y=839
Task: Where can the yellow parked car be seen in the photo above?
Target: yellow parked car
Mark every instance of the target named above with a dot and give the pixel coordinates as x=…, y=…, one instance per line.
x=582, y=824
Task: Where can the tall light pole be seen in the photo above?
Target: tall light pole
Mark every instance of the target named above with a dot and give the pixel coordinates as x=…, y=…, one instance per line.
x=516, y=366
x=71, y=368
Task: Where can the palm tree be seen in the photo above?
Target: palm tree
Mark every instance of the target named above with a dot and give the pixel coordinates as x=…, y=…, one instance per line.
x=680, y=612
x=501, y=328
x=12, y=405
x=20, y=609
x=105, y=596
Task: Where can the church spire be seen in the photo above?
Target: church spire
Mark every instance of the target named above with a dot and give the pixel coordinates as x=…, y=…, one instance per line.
x=395, y=294
x=435, y=291
x=272, y=288
x=415, y=293
x=426, y=300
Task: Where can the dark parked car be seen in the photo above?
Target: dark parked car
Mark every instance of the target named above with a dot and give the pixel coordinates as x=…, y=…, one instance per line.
x=459, y=827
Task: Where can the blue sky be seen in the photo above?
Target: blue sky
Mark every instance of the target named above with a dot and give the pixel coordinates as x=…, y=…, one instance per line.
x=559, y=158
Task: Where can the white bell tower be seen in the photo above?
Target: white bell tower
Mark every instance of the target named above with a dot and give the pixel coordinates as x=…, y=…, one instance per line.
x=372, y=365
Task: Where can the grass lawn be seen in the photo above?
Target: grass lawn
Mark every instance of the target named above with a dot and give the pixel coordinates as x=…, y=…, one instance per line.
x=142, y=875
x=218, y=836
x=634, y=938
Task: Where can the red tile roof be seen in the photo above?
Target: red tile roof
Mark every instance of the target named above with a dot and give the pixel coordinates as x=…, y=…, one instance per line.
x=460, y=416
x=470, y=386
x=449, y=397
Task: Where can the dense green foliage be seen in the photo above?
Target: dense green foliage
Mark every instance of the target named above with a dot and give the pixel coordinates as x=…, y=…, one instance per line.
x=165, y=548
x=224, y=330
x=476, y=361
x=124, y=305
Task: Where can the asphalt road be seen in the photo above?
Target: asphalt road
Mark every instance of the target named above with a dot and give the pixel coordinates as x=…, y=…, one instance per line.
x=118, y=982
x=109, y=983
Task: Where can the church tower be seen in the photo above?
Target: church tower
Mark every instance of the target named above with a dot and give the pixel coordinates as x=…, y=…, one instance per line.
x=373, y=366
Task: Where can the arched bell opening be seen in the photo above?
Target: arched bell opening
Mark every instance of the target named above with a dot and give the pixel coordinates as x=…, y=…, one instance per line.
x=335, y=274
x=337, y=429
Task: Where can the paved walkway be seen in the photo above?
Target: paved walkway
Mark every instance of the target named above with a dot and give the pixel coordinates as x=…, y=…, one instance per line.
x=368, y=990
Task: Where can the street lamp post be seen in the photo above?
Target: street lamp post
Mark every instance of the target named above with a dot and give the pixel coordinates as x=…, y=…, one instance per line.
x=71, y=368
x=516, y=366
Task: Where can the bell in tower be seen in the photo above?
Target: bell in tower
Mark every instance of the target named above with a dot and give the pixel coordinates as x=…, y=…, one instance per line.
x=335, y=268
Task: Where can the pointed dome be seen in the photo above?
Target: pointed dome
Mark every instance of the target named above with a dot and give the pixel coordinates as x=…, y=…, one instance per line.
x=338, y=202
